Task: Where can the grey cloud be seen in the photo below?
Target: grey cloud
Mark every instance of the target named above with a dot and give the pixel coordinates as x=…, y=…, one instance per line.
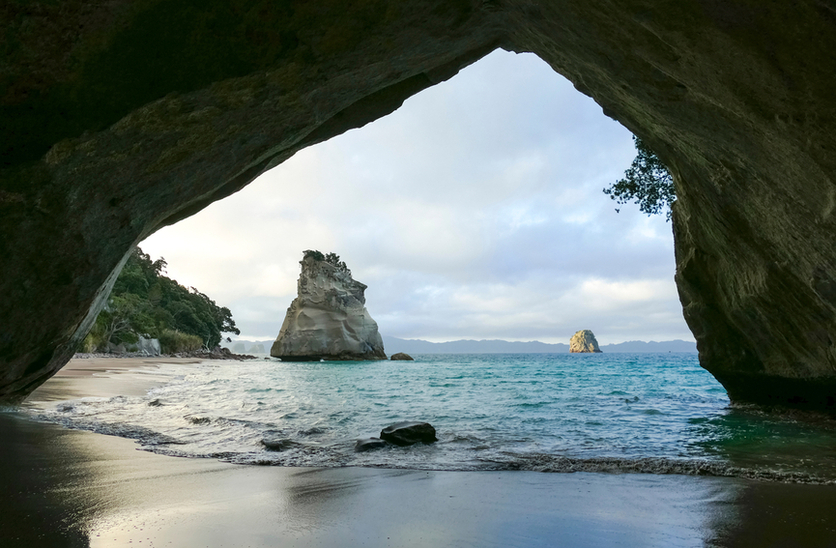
x=474, y=211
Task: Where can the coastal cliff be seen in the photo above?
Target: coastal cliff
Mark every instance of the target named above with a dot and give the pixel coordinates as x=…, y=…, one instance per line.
x=328, y=319
x=120, y=118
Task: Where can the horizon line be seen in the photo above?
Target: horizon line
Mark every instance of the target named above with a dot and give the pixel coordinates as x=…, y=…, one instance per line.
x=261, y=339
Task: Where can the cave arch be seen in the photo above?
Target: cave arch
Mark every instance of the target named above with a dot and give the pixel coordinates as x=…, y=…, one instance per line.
x=121, y=118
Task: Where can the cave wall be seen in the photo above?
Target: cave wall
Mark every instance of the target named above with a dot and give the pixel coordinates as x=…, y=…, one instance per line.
x=123, y=116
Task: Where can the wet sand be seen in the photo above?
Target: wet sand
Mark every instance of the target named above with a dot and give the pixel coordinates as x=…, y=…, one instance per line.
x=74, y=488
x=104, y=377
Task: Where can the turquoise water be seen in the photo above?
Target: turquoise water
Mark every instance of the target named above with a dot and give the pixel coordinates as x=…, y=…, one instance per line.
x=658, y=413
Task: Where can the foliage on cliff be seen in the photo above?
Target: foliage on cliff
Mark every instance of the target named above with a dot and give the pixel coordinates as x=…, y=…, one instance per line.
x=647, y=182
x=146, y=303
x=331, y=258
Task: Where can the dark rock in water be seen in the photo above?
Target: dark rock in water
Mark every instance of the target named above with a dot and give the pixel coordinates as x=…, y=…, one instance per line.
x=314, y=431
x=278, y=444
x=402, y=356
x=155, y=403
x=369, y=444
x=408, y=433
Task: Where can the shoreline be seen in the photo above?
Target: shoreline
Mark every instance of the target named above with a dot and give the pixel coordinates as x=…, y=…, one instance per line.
x=78, y=488
x=83, y=377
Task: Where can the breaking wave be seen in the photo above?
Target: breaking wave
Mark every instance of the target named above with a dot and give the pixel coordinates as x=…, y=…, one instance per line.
x=618, y=413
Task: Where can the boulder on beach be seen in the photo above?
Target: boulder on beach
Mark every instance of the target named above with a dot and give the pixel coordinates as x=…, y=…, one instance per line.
x=149, y=347
x=402, y=356
x=583, y=342
x=409, y=433
x=328, y=319
x=369, y=444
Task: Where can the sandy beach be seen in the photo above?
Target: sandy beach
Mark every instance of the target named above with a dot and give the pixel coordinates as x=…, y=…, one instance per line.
x=75, y=488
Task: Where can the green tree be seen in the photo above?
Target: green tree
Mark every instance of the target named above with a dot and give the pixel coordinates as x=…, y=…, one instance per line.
x=334, y=259
x=315, y=253
x=126, y=318
x=331, y=258
x=122, y=321
x=145, y=302
x=647, y=182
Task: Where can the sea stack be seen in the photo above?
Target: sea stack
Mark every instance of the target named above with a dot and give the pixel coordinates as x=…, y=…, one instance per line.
x=583, y=342
x=328, y=319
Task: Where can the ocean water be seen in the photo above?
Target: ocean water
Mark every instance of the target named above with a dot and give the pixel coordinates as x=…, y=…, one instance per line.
x=657, y=413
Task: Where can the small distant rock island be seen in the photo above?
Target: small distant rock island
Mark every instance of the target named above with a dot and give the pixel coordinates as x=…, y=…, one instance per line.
x=328, y=319
x=583, y=342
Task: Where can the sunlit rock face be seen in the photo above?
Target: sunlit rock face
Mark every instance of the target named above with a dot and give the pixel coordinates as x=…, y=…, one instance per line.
x=583, y=342
x=122, y=117
x=328, y=319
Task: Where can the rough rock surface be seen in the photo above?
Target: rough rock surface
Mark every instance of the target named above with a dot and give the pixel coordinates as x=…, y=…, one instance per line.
x=409, y=433
x=150, y=347
x=328, y=319
x=402, y=356
x=583, y=342
x=125, y=116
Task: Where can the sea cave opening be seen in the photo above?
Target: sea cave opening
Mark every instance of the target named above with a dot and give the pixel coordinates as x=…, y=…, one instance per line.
x=475, y=211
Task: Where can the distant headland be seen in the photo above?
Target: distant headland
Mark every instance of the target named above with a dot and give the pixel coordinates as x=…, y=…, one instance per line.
x=494, y=346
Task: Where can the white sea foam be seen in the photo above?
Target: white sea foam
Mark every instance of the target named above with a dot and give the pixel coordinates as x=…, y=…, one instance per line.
x=553, y=413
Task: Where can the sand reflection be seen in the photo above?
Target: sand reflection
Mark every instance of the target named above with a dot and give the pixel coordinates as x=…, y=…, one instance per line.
x=71, y=488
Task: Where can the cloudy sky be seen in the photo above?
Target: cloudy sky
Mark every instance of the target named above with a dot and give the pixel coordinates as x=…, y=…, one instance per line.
x=474, y=211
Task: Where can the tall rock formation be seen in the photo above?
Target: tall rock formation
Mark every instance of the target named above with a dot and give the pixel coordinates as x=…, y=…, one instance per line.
x=583, y=342
x=122, y=117
x=328, y=319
